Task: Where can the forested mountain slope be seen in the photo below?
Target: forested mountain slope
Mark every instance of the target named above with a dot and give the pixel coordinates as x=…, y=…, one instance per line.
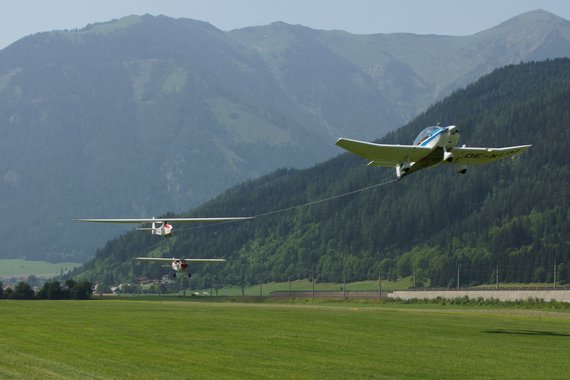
x=144, y=115
x=512, y=214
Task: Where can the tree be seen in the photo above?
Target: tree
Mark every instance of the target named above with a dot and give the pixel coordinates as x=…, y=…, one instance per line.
x=42, y=294
x=23, y=291
x=51, y=290
x=9, y=293
x=81, y=290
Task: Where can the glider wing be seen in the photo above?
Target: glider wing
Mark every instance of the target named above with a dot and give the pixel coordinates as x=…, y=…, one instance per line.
x=164, y=259
x=161, y=220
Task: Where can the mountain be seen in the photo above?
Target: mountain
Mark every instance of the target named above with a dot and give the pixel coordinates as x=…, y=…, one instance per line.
x=144, y=115
x=411, y=71
x=513, y=215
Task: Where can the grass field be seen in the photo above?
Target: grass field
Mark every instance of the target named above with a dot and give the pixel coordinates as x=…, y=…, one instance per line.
x=168, y=339
x=23, y=268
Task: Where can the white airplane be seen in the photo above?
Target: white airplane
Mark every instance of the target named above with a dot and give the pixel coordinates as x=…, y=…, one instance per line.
x=162, y=226
x=179, y=265
x=433, y=146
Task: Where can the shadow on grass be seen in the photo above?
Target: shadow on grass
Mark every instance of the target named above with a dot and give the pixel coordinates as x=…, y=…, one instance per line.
x=526, y=332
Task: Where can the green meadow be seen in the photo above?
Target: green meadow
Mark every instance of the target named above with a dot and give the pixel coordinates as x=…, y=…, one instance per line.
x=189, y=338
x=18, y=268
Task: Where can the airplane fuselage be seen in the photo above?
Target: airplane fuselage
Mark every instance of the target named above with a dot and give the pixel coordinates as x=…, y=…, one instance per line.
x=444, y=137
x=441, y=140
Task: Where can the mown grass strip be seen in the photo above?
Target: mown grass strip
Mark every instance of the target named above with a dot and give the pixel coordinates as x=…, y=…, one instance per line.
x=156, y=339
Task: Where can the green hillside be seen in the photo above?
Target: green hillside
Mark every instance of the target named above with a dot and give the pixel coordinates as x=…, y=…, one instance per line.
x=513, y=214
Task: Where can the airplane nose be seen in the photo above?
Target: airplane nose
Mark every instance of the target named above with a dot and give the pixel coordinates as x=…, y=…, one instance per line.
x=452, y=129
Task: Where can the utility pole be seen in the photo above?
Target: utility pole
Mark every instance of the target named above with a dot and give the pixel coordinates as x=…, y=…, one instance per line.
x=497, y=277
x=459, y=266
x=343, y=284
x=555, y=274
x=313, y=282
x=380, y=285
x=344, y=275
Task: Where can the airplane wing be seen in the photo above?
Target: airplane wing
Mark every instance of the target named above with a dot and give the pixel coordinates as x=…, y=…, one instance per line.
x=161, y=220
x=384, y=154
x=164, y=259
x=469, y=156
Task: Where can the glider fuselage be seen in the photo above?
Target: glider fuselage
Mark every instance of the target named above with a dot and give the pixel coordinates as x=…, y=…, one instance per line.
x=164, y=229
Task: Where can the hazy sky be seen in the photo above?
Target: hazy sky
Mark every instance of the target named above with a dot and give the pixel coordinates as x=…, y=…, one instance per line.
x=19, y=18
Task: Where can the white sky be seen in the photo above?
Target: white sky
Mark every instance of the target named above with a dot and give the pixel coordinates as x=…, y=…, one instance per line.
x=19, y=18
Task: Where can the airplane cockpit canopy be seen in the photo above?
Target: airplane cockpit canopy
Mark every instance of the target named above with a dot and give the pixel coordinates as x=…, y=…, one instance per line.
x=427, y=133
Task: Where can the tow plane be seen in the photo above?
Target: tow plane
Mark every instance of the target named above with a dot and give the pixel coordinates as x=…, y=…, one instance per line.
x=433, y=146
x=178, y=265
x=162, y=226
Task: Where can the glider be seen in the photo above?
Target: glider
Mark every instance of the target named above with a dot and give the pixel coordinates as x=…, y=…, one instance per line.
x=162, y=226
x=179, y=265
x=433, y=146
